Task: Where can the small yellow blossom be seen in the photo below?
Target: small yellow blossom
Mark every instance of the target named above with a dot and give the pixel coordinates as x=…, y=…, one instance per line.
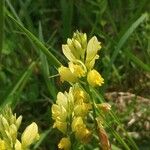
x=2, y=145
x=78, y=70
x=82, y=109
x=81, y=132
x=59, y=112
x=61, y=126
x=64, y=144
x=80, y=95
x=94, y=78
x=66, y=75
x=30, y=135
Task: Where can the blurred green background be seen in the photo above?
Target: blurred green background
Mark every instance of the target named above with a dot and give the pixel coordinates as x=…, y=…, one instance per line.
x=26, y=74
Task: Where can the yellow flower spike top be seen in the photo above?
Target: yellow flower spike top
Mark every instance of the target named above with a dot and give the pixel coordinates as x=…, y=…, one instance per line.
x=64, y=144
x=82, y=55
x=77, y=48
x=94, y=78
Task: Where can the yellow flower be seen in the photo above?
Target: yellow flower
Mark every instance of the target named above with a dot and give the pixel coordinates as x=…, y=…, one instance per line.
x=59, y=112
x=61, y=126
x=30, y=135
x=80, y=95
x=2, y=144
x=94, y=78
x=82, y=109
x=64, y=144
x=66, y=75
x=81, y=132
x=77, y=70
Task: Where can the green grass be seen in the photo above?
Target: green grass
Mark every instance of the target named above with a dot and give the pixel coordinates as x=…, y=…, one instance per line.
x=34, y=32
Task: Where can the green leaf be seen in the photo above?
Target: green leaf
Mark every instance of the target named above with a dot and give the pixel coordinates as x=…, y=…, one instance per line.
x=123, y=39
x=137, y=61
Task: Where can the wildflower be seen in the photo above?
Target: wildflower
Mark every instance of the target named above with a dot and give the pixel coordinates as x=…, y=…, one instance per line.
x=77, y=48
x=61, y=126
x=30, y=135
x=77, y=70
x=2, y=144
x=82, y=109
x=80, y=130
x=66, y=75
x=80, y=96
x=64, y=144
x=9, y=125
x=94, y=78
x=61, y=110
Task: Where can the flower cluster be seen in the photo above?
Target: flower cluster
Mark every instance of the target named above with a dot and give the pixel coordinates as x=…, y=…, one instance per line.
x=70, y=112
x=81, y=55
x=9, y=125
x=75, y=111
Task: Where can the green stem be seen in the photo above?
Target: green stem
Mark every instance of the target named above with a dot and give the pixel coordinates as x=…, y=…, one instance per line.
x=2, y=4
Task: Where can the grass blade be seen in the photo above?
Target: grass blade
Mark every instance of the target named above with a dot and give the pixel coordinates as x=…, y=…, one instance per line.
x=52, y=59
x=117, y=121
x=45, y=68
x=137, y=61
x=123, y=39
x=67, y=12
x=17, y=87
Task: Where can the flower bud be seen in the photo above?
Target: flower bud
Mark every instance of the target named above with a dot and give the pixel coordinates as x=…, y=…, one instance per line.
x=18, y=122
x=30, y=135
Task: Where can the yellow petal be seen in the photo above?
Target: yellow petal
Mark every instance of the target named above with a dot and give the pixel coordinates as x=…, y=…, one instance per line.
x=92, y=49
x=68, y=53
